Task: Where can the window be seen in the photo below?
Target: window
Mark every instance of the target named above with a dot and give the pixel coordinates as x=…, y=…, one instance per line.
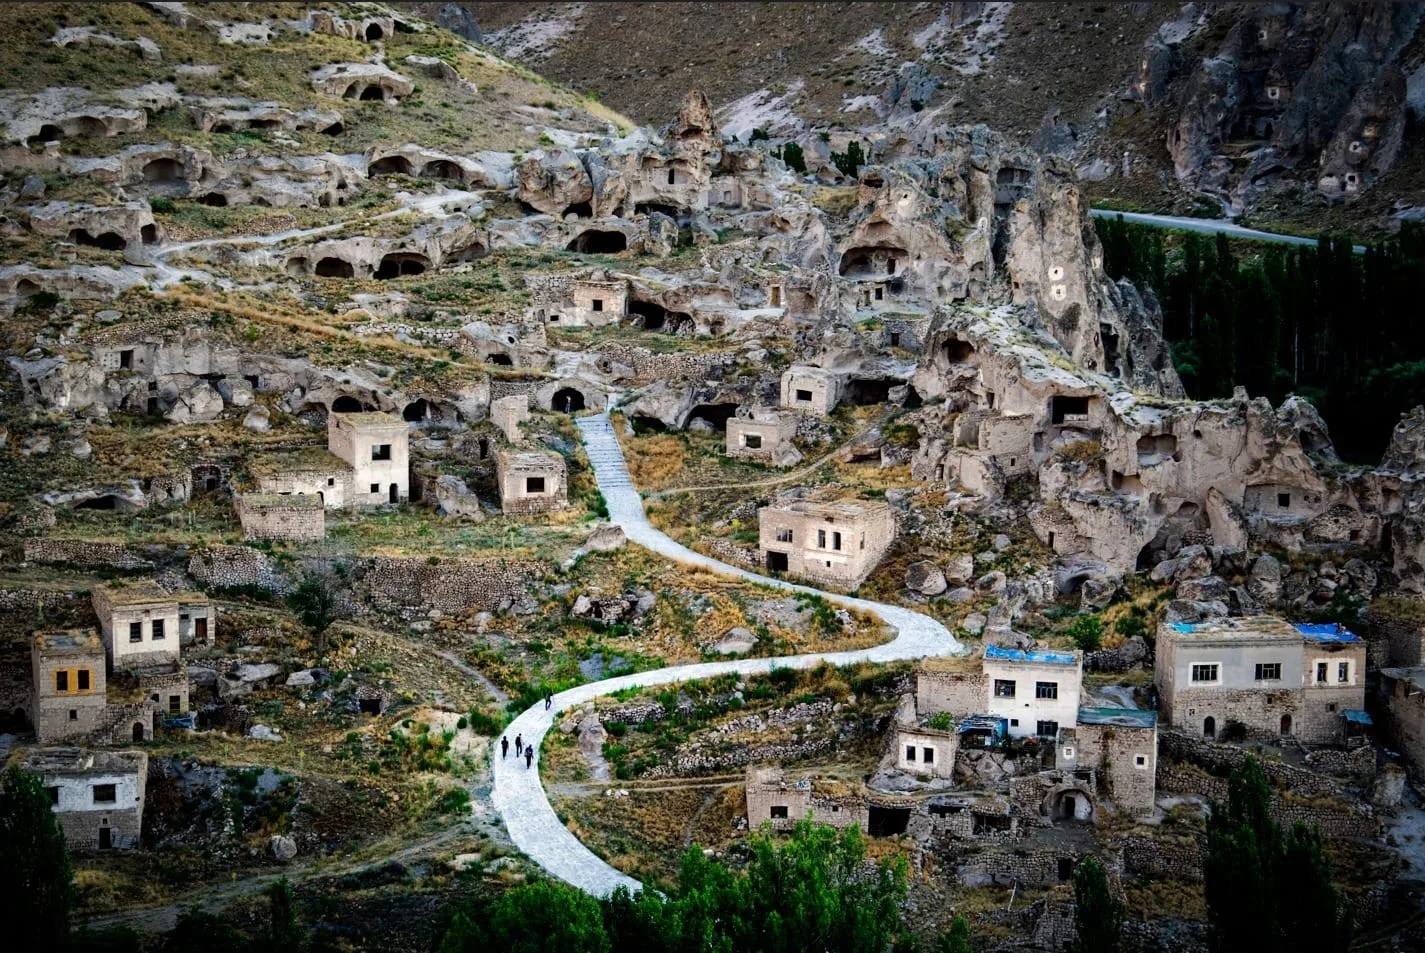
x=105, y=794
x=1283, y=500
x=135, y=631
x=331, y=481
x=157, y=629
x=1014, y=722
x=804, y=396
x=672, y=177
x=1321, y=671
x=381, y=451
x=598, y=304
x=375, y=488
x=1343, y=671
x=784, y=535
x=53, y=793
x=82, y=678
x=61, y=681
x=534, y=484
x=1046, y=689
x=1269, y=671
x=1068, y=751
x=1046, y=729
x=74, y=714
x=927, y=755
x=1004, y=688
x=126, y=360
x=836, y=541
x=779, y=812
x=1205, y=672
x=895, y=339
x=910, y=752
x=752, y=441
x=1140, y=761
x=880, y=294
x=821, y=539
x=175, y=704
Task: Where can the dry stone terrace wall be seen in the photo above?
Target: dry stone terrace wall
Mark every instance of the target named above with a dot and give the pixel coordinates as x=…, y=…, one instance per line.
x=648, y=366
x=94, y=553
x=1221, y=760
x=1178, y=858
x=236, y=567
x=1334, y=815
x=397, y=583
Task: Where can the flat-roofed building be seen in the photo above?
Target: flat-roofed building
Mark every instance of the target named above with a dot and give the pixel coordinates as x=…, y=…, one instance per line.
x=377, y=448
x=68, y=684
x=140, y=623
x=1037, y=690
x=838, y=544
x=98, y=796
x=531, y=481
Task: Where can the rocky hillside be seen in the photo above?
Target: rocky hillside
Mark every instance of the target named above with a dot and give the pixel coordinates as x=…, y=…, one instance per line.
x=1300, y=116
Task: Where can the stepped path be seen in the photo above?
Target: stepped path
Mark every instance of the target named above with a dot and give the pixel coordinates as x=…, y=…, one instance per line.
x=518, y=794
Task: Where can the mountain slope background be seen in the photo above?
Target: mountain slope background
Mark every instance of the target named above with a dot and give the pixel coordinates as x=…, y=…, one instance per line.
x=1164, y=107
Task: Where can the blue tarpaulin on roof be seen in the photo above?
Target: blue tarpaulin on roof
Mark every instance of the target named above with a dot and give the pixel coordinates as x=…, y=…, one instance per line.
x=1029, y=655
x=1326, y=632
x=1357, y=717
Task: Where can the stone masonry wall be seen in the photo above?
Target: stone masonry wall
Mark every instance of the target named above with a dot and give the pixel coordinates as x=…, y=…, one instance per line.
x=84, y=552
x=233, y=567
x=415, y=584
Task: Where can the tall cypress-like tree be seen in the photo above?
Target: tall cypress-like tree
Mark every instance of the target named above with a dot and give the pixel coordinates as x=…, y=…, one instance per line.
x=1098, y=914
x=36, y=885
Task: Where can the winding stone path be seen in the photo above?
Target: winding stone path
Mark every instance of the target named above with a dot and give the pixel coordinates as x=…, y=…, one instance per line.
x=519, y=796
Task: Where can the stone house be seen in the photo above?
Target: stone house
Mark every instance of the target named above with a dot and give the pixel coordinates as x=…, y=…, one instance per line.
x=764, y=435
x=531, y=481
x=377, y=448
x=772, y=799
x=68, y=684
x=812, y=389
x=1262, y=673
x=1121, y=745
x=299, y=518
x=140, y=623
x=315, y=472
x=97, y=795
x=837, y=544
x=167, y=692
x=1037, y=690
x=575, y=300
x=1402, y=702
x=921, y=749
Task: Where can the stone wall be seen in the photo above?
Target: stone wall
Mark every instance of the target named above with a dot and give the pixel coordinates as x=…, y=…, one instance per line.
x=235, y=567
x=412, y=584
x=1334, y=815
x=648, y=366
x=1161, y=858
x=111, y=553
x=1115, y=750
x=1221, y=759
x=282, y=518
x=960, y=693
x=1028, y=867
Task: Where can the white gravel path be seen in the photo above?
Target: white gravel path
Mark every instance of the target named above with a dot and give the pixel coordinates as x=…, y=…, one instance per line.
x=518, y=794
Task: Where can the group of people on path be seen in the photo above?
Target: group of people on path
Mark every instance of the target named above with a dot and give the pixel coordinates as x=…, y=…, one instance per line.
x=520, y=747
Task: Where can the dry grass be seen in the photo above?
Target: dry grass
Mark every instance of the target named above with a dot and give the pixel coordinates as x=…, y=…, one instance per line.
x=654, y=462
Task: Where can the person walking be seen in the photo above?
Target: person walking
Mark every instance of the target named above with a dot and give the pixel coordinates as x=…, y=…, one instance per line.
x=504, y=745
x=548, y=700
x=519, y=745
x=528, y=755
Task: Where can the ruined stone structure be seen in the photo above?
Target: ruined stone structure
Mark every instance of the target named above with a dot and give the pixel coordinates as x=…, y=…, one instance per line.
x=1270, y=677
x=923, y=750
x=1402, y=702
x=531, y=481
x=774, y=800
x=508, y=413
x=1121, y=744
x=318, y=473
x=764, y=435
x=98, y=796
x=377, y=448
x=296, y=518
x=140, y=623
x=811, y=389
x=68, y=685
x=837, y=544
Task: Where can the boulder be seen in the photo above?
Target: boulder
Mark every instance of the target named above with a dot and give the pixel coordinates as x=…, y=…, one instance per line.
x=199, y=403
x=974, y=623
x=606, y=538
x=258, y=419
x=284, y=849
x=552, y=181
x=302, y=679
x=960, y=569
x=735, y=641
x=1096, y=593
x=1265, y=580
x=455, y=499
x=925, y=578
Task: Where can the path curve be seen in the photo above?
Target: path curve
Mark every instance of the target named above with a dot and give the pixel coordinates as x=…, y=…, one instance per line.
x=519, y=796
x=1210, y=226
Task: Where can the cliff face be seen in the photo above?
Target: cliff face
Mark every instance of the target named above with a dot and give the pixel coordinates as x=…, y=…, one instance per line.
x=1318, y=89
x=1165, y=104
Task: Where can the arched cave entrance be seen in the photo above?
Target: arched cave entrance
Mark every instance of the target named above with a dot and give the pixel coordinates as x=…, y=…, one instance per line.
x=335, y=268
x=648, y=208
x=417, y=411
x=716, y=415
x=597, y=241
x=568, y=400
x=390, y=165
x=374, y=32
x=443, y=169
x=164, y=172
x=864, y=391
x=372, y=94
x=346, y=404
x=579, y=210
x=1072, y=807
x=109, y=241
x=48, y=133
x=401, y=264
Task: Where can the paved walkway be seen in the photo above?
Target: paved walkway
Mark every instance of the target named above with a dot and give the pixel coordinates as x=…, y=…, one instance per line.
x=1211, y=226
x=518, y=794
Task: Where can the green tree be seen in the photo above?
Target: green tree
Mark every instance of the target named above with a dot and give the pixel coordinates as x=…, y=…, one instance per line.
x=956, y=939
x=1086, y=631
x=1098, y=914
x=795, y=159
x=36, y=885
x=848, y=163
x=314, y=601
x=1314, y=920
x=199, y=932
x=283, y=931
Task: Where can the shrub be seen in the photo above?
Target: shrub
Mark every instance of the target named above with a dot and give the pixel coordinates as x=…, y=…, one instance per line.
x=1086, y=631
x=161, y=204
x=793, y=156
x=941, y=721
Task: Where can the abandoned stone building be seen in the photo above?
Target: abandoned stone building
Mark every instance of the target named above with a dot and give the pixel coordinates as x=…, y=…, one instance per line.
x=166, y=692
x=577, y=301
x=142, y=625
x=68, y=684
x=925, y=750
x=1401, y=696
x=315, y=472
x=298, y=518
x=531, y=481
x=98, y=796
x=837, y=544
x=764, y=435
x=509, y=413
x=811, y=389
x=773, y=799
x=1261, y=673
x=377, y=448
x=1121, y=744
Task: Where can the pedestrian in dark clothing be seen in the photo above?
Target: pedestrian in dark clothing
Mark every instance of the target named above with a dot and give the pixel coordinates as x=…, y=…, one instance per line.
x=519, y=745
x=504, y=746
x=548, y=700
x=528, y=755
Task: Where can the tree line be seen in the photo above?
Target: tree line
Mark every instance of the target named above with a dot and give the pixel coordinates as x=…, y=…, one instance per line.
x=1321, y=322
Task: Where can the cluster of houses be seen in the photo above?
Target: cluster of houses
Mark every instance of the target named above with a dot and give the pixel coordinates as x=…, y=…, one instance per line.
x=367, y=463
x=1013, y=742
x=110, y=686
